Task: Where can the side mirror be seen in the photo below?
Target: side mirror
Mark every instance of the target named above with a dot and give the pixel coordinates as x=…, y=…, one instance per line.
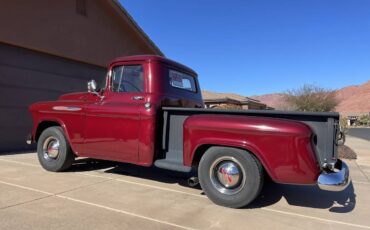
x=91, y=86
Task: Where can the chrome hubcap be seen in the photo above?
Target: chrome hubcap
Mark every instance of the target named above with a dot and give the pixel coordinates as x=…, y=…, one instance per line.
x=227, y=175
x=51, y=148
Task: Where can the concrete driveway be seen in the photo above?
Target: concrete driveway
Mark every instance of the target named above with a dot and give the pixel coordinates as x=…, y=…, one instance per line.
x=104, y=195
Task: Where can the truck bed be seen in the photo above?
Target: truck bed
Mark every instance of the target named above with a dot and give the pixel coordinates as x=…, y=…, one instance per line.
x=323, y=124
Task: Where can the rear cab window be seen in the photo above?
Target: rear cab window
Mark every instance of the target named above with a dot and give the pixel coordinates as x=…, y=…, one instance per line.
x=182, y=81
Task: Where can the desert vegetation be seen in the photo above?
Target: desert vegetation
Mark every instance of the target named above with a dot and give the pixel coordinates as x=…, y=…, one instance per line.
x=311, y=98
x=363, y=120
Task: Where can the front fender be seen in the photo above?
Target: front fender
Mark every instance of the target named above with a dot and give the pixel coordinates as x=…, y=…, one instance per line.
x=60, y=113
x=283, y=147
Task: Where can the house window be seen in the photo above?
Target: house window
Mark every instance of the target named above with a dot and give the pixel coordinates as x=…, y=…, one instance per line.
x=81, y=7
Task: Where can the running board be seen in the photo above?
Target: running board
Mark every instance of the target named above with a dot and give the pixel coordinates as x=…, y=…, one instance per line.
x=171, y=165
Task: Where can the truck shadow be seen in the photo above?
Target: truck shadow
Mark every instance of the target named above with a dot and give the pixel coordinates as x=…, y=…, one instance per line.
x=295, y=195
x=117, y=168
x=306, y=196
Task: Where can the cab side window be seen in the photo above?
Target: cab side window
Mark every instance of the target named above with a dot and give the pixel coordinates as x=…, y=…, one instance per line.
x=128, y=78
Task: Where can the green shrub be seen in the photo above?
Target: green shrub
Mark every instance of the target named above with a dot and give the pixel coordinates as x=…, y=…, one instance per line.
x=363, y=120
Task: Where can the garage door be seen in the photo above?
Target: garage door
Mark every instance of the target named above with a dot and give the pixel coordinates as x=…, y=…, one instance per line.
x=26, y=77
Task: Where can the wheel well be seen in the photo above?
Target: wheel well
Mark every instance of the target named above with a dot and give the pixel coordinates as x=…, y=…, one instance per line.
x=199, y=153
x=44, y=125
x=203, y=148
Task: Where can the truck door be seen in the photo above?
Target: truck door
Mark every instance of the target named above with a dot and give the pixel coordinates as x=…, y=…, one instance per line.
x=113, y=122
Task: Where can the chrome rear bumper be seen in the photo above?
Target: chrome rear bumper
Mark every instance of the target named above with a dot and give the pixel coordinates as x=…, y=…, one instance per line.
x=338, y=180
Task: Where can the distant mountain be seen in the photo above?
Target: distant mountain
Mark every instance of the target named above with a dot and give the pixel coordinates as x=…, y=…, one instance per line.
x=274, y=100
x=353, y=100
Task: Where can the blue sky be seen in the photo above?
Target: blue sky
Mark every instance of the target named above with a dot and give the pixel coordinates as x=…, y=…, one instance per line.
x=254, y=47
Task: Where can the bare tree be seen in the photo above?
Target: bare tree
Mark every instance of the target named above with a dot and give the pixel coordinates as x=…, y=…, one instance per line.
x=311, y=98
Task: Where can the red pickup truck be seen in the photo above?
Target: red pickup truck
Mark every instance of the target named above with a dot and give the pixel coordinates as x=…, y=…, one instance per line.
x=149, y=111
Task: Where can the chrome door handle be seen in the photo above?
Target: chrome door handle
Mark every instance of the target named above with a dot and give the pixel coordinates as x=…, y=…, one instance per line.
x=137, y=98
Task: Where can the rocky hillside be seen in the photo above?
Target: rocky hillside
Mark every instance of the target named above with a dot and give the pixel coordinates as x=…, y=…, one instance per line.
x=353, y=100
x=275, y=100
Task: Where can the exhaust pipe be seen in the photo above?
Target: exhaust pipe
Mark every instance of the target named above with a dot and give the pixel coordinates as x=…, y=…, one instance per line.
x=193, y=181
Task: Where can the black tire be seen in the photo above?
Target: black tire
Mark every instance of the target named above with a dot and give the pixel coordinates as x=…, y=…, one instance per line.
x=64, y=158
x=247, y=186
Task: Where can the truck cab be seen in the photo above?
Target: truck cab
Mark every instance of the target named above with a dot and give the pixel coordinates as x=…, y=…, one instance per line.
x=118, y=117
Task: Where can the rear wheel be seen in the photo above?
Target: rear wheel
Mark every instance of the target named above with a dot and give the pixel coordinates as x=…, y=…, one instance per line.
x=53, y=150
x=230, y=177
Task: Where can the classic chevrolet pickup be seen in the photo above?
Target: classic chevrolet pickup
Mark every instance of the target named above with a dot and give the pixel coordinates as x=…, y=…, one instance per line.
x=149, y=111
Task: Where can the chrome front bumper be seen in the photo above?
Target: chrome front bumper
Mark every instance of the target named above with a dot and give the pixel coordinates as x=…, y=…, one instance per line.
x=338, y=180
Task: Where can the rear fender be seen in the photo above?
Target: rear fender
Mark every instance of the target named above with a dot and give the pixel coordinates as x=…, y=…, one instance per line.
x=283, y=147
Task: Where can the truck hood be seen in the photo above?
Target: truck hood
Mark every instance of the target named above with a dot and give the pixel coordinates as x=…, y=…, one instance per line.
x=74, y=96
x=69, y=99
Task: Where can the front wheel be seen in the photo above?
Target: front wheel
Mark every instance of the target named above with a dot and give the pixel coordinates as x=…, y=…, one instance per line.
x=230, y=177
x=53, y=150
